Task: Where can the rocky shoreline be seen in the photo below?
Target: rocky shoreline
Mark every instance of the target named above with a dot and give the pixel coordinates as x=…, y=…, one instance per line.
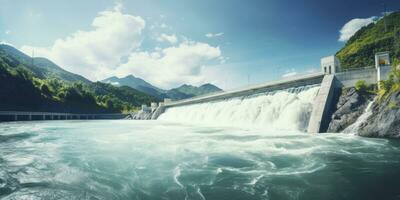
x=349, y=108
x=384, y=120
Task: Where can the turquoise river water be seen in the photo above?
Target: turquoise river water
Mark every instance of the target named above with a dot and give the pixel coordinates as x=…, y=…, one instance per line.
x=162, y=160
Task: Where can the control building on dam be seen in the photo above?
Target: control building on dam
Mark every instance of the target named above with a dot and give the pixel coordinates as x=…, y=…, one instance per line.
x=331, y=79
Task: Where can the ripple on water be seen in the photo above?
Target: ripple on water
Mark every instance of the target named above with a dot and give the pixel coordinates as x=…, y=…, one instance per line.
x=154, y=160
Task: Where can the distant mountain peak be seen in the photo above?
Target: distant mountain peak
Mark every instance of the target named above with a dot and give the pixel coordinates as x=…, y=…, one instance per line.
x=130, y=76
x=181, y=92
x=191, y=90
x=136, y=83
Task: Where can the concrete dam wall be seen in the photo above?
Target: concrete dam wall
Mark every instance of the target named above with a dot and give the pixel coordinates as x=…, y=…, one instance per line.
x=293, y=82
x=284, y=104
x=291, y=96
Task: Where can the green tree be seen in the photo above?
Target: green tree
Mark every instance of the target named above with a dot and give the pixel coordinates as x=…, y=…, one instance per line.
x=361, y=86
x=45, y=90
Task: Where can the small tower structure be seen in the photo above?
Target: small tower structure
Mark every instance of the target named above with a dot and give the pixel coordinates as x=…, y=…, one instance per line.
x=330, y=65
x=382, y=59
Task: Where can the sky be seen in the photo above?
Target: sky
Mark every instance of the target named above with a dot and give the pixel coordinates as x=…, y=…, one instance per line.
x=230, y=43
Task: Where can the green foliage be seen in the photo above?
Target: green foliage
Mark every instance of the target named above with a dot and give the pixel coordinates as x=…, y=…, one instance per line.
x=46, y=87
x=393, y=105
x=345, y=91
x=361, y=86
x=392, y=84
x=360, y=49
x=45, y=90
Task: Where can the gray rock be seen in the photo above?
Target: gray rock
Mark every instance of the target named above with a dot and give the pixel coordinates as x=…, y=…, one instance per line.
x=385, y=119
x=350, y=106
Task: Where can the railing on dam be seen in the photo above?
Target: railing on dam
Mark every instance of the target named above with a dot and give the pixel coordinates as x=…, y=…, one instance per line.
x=297, y=81
x=348, y=78
x=28, y=116
x=290, y=82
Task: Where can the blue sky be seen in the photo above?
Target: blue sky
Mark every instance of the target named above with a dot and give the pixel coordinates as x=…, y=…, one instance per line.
x=230, y=43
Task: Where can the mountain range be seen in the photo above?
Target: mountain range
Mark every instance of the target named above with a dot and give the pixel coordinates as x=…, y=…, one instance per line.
x=182, y=92
x=37, y=84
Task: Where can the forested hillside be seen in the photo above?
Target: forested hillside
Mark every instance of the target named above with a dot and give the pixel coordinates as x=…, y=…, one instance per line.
x=360, y=50
x=41, y=85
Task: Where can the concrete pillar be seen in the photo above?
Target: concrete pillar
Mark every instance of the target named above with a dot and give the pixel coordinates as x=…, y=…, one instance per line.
x=29, y=117
x=381, y=59
x=43, y=117
x=15, y=117
x=320, y=117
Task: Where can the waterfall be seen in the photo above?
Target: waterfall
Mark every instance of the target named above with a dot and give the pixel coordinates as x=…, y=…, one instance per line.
x=353, y=128
x=279, y=110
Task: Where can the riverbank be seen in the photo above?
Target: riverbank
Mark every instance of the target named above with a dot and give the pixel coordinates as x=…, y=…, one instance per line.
x=366, y=114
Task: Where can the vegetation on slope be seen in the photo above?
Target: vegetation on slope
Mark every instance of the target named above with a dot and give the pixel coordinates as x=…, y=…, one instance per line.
x=391, y=85
x=46, y=87
x=360, y=50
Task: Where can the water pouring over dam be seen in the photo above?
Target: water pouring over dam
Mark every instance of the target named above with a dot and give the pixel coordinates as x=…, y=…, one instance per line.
x=288, y=109
x=297, y=103
x=272, y=103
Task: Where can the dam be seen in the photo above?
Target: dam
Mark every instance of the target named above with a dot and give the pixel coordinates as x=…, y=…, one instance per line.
x=301, y=103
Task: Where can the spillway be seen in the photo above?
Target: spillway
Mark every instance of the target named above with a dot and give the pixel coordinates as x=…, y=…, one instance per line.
x=288, y=109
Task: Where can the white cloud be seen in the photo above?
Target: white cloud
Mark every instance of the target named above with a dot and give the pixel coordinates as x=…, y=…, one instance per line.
x=211, y=35
x=7, y=32
x=289, y=73
x=118, y=7
x=113, y=47
x=351, y=27
x=172, y=66
x=95, y=53
x=163, y=25
x=113, y=83
x=168, y=38
x=222, y=59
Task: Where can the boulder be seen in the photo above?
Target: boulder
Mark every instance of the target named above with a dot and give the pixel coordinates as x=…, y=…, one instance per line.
x=385, y=118
x=350, y=106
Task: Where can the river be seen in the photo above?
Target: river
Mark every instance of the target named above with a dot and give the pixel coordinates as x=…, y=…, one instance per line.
x=164, y=160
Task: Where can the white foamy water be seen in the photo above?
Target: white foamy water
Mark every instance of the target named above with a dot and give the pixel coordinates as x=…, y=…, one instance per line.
x=158, y=160
x=282, y=110
x=361, y=119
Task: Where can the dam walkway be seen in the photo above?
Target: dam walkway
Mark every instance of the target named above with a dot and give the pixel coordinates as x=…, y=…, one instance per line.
x=290, y=82
x=28, y=116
